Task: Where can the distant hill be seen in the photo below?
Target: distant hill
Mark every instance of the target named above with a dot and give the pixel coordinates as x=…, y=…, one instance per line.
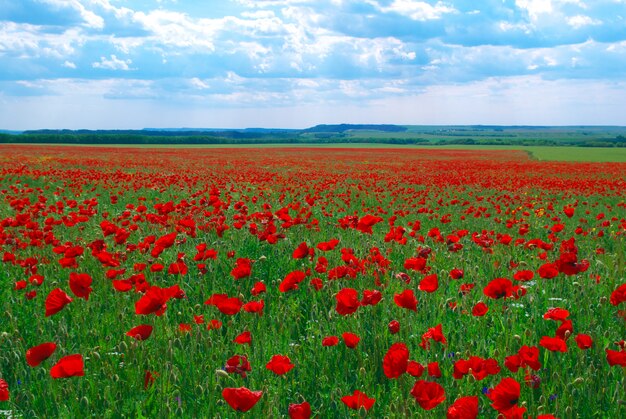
x=356, y=127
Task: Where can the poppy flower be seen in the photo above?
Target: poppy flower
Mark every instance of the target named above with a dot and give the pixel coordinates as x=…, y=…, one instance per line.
x=463, y=408
x=619, y=295
x=242, y=269
x=415, y=264
x=553, y=344
x=616, y=357
x=548, y=271
x=291, y=281
x=238, y=365
x=434, y=370
x=428, y=394
x=330, y=341
x=396, y=360
x=302, y=251
x=148, y=379
x=154, y=300
x=583, y=341
x=141, y=332
x=429, y=283
x=371, y=297
x=394, y=327
x=415, y=369
x=350, y=339
x=499, y=288
x=4, y=391
x=504, y=395
x=523, y=276
x=406, y=299
x=241, y=399
x=347, y=301
x=480, y=309
x=557, y=314
x=243, y=338
x=300, y=411
x=68, y=366
x=480, y=368
x=259, y=287
x=56, y=301
x=434, y=333
x=280, y=364
x=230, y=306
x=214, y=324
x=366, y=223
x=254, y=307
x=328, y=246
x=37, y=354
x=456, y=273
x=358, y=400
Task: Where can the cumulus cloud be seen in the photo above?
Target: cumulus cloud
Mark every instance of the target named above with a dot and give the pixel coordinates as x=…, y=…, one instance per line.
x=113, y=63
x=269, y=53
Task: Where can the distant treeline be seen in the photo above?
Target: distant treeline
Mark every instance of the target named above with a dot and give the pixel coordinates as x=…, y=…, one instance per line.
x=618, y=141
x=227, y=138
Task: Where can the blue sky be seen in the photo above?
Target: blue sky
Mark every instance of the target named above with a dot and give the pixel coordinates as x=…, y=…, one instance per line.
x=297, y=63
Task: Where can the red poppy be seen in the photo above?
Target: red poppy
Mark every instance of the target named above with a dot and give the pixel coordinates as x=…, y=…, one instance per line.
x=434, y=370
x=429, y=283
x=330, y=341
x=37, y=354
x=523, y=276
x=149, y=379
x=303, y=251
x=242, y=269
x=415, y=369
x=396, y=360
x=358, y=400
x=428, y=394
x=583, y=341
x=499, y=288
x=291, y=281
x=243, y=338
x=213, y=324
x=4, y=391
x=155, y=300
x=254, y=307
x=406, y=299
x=463, y=408
x=279, y=364
x=141, y=332
x=56, y=300
x=394, y=327
x=350, y=339
x=238, y=365
x=480, y=309
x=456, y=273
x=557, y=314
x=505, y=395
x=616, y=357
x=434, y=333
x=241, y=399
x=68, y=366
x=229, y=306
x=371, y=297
x=347, y=301
x=619, y=295
x=553, y=344
x=300, y=411
x=480, y=368
x=366, y=222
x=548, y=271
x=327, y=246
x=258, y=288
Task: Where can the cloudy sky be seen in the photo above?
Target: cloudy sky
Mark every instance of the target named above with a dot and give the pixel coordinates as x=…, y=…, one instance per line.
x=296, y=63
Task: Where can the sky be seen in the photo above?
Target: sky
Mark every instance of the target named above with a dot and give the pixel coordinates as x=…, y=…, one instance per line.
x=131, y=64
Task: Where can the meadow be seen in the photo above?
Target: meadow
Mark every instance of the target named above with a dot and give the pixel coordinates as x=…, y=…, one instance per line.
x=311, y=282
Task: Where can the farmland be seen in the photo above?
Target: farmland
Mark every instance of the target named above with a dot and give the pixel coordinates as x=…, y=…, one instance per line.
x=378, y=282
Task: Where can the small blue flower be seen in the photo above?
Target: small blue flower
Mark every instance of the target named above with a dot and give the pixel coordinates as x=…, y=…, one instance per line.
x=485, y=390
x=552, y=397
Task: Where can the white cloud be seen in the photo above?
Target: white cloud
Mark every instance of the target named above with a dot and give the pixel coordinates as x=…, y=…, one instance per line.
x=113, y=63
x=579, y=21
x=69, y=64
x=416, y=10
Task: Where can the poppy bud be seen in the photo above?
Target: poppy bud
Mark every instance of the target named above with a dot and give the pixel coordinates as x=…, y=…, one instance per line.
x=517, y=337
x=578, y=380
x=262, y=257
x=221, y=373
x=603, y=299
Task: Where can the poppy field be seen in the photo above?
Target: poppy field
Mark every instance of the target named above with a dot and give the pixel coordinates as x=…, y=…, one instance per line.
x=310, y=283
